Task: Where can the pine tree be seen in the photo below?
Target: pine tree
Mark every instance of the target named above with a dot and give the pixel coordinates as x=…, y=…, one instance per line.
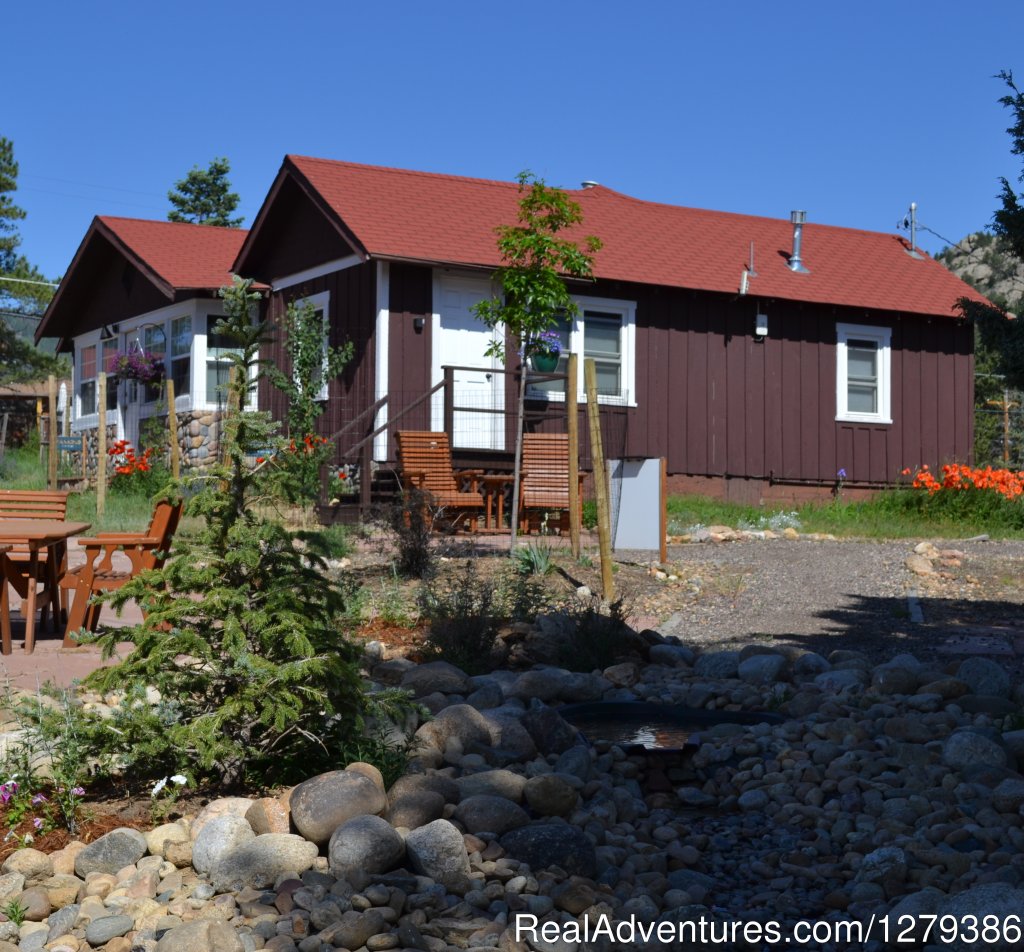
x=204, y=197
x=25, y=293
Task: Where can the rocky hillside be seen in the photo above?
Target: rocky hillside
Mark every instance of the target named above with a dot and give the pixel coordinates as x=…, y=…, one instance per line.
x=986, y=263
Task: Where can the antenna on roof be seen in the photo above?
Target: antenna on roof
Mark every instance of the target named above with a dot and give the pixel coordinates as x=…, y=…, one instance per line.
x=910, y=222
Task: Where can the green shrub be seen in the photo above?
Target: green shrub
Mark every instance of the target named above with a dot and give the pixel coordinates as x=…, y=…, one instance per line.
x=409, y=525
x=535, y=559
x=595, y=637
x=463, y=615
x=589, y=513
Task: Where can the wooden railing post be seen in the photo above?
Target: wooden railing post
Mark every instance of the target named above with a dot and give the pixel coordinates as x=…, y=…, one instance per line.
x=52, y=431
x=449, y=403
x=366, y=477
x=604, y=522
x=172, y=425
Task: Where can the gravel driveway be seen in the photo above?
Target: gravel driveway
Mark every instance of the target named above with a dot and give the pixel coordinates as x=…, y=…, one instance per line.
x=825, y=595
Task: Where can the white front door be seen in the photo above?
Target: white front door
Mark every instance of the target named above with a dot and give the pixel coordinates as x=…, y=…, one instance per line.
x=460, y=340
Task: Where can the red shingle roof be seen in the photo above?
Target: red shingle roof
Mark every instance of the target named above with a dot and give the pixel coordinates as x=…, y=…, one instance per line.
x=183, y=255
x=424, y=216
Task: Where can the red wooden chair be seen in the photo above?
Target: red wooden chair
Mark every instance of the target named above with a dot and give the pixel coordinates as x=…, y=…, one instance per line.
x=425, y=464
x=146, y=550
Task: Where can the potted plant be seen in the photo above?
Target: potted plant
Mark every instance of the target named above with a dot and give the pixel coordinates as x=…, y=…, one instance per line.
x=141, y=365
x=544, y=351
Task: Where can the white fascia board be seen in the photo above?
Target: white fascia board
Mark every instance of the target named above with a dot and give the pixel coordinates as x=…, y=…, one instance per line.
x=328, y=267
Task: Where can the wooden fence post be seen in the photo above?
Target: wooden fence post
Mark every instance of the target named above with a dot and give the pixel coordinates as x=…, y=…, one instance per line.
x=51, y=432
x=172, y=425
x=101, y=445
x=449, y=404
x=572, y=423
x=604, y=521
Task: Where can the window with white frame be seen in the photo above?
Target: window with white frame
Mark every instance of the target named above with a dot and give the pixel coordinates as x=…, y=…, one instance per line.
x=154, y=341
x=604, y=330
x=181, y=355
x=218, y=363
x=863, y=363
x=87, y=370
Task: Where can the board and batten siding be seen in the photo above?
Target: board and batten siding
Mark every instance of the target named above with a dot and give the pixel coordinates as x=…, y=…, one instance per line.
x=352, y=315
x=715, y=401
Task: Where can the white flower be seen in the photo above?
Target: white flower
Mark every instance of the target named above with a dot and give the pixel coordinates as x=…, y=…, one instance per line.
x=179, y=779
x=158, y=786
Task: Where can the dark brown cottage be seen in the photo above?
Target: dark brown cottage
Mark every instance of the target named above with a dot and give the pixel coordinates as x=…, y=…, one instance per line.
x=758, y=356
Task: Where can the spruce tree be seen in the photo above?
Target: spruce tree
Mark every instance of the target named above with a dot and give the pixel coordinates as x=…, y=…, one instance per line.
x=204, y=197
x=243, y=635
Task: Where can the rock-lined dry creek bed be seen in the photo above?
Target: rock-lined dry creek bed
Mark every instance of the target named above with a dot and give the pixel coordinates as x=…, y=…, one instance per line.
x=893, y=786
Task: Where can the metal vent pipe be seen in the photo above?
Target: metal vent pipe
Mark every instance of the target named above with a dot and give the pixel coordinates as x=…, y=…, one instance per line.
x=795, y=262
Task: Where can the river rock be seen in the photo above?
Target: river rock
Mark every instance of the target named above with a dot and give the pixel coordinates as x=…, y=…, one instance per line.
x=412, y=810
x=989, y=899
x=459, y=722
x=320, y=805
x=158, y=839
x=550, y=731
x=111, y=852
x=764, y=669
x=101, y=931
x=268, y=815
x=222, y=806
x=494, y=783
x=31, y=863
x=365, y=843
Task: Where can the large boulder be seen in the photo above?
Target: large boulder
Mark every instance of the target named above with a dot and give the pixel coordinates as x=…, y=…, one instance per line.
x=964, y=749
x=321, y=804
x=437, y=850
x=461, y=723
x=487, y=814
x=436, y=676
x=494, y=783
x=111, y=852
x=550, y=731
x=541, y=845
x=365, y=843
x=222, y=835
x=996, y=900
x=260, y=861
x=984, y=676
x=203, y=935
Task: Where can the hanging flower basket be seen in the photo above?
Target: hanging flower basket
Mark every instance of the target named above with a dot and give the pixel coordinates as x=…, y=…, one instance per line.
x=141, y=365
x=544, y=351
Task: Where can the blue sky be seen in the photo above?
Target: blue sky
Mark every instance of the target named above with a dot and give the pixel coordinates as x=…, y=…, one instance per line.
x=849, y=111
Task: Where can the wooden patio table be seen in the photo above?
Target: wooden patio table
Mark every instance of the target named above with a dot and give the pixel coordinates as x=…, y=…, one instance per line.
x=494, y=487
x=35, y=534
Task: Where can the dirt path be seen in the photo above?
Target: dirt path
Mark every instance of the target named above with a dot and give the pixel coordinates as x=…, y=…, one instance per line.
x=825, y=595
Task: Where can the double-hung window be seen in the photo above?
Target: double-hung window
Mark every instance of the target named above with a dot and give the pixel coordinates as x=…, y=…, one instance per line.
x=863, y=371
x=321, y=312
x=154, y=341
x=181, y=355
x=604, y=331
x=87, y=370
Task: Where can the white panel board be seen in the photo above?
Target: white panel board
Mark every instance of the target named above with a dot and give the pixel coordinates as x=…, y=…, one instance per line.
x=635, y=490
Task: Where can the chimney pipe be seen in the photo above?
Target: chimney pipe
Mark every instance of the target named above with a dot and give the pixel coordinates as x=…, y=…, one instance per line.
x=795, y=261
x=588, y=184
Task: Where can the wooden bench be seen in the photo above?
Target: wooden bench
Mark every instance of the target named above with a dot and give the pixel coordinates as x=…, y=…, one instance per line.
x=145, y=550
x=425, y=465
x=544, y=482
x=38, y=504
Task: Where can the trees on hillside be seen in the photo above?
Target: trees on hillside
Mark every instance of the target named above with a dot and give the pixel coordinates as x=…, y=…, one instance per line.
x=24, y=290
x=204, y=197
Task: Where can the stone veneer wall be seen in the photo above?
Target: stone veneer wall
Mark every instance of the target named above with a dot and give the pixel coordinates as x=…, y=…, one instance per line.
x=198, y=437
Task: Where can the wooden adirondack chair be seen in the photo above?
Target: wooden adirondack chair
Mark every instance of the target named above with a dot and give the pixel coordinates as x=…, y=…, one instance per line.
x=544, y=482
x=145, y=550
x=38, y=504
x=425, y=464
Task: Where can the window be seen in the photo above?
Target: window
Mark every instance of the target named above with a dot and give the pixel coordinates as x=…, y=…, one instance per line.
x=863, y=361
x=87, y=381
x=181, y=355
x=108, y=348
x=602, y=330
x=154, y=342
x=218, y=364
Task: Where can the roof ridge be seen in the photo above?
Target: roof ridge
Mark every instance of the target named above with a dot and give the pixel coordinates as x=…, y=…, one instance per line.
x=217, y=229
x=404, y=172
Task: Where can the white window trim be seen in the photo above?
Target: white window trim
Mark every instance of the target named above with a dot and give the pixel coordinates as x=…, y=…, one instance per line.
x=882, y=336
x=328, y=267
x=627, y=310
x=320, y=302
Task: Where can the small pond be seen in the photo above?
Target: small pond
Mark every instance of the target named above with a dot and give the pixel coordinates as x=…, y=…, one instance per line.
x=641, y=724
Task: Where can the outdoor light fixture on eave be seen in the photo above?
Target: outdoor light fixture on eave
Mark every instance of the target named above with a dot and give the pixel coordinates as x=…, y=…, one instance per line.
x=760, y=326
x=418, y=323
